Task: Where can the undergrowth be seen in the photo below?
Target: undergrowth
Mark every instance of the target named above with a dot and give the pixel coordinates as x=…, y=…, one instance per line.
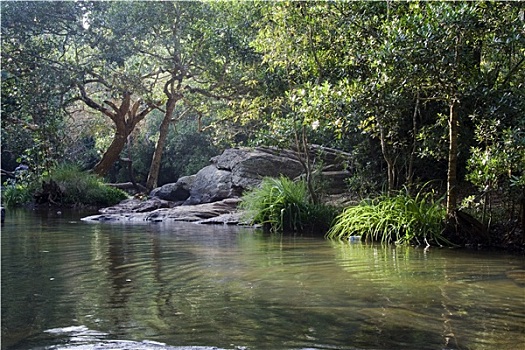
x=281, y=204
x=398, y=218
x=75, y=187
x=83, y=188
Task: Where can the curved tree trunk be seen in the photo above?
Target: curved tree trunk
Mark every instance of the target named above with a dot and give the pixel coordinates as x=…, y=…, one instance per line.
x=125, y=117
x=112, y=154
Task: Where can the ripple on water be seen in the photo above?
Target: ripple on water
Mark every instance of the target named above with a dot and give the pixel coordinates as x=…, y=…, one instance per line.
x=216, y=286
x=83, y=338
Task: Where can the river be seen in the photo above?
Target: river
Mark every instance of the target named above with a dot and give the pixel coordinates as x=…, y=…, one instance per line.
x=68, y=284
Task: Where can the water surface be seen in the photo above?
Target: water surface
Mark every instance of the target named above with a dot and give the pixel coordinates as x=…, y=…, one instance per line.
x=77, y=285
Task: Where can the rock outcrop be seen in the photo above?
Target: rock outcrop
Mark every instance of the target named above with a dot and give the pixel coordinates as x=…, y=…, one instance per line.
x=175, y=192
x=212, y=185
x=212, y=195
x=237, y=170
x=221, y=212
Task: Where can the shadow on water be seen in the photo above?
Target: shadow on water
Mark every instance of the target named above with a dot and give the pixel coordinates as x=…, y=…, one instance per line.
x=67, y=284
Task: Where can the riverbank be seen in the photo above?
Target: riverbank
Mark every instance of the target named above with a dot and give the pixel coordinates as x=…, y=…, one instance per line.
x=226, y=212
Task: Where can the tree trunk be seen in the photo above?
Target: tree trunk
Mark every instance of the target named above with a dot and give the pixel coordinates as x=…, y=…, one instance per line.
x=124, y=126
x=391, y=171
x=410, y=170
x=154, y=169
x=112, y=154
x=453, y=125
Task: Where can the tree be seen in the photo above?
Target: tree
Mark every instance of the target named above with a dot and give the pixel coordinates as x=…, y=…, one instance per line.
x=190, y=46
x=111, y=77
x=67, y=60
x=34, y=88
x=125, y=118
x=401, y=67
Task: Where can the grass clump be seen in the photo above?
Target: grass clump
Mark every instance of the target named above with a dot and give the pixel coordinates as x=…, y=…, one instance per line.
x=16, y=194
x=282, y=205
x=83, y=188
x=64, y=185
x=399, y=218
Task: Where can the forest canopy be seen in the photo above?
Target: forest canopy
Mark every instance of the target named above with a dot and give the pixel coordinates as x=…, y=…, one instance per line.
x=415, y=91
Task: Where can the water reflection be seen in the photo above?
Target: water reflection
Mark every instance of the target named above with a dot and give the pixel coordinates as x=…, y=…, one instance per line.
x=465, y=297
x=189, y=285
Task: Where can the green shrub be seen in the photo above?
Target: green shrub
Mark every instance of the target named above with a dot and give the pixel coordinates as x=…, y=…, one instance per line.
x=400, y=219
x=80, y=187
x=284, y=205
x=15, y=194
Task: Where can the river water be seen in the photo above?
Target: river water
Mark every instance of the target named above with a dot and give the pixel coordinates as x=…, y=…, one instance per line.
x=67, y=284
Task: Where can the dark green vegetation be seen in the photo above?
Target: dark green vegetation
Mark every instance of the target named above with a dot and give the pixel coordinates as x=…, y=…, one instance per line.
x=145, y=92
x=284, y=205
x=67, y=186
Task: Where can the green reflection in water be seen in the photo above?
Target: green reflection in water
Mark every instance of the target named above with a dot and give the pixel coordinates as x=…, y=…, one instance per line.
x=184, y=284
x=466, y=296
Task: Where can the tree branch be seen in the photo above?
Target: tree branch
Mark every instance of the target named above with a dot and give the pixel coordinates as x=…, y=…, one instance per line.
x=512, y=71
x=91, y=103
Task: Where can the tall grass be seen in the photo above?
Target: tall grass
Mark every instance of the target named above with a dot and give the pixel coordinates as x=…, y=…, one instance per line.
x=399, y=218
x=14, y=195
x=83, y=188
x=76, y=188
x=281, y=204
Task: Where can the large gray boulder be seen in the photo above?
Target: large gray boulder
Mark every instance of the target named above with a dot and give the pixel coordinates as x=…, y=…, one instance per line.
x=239, y=169
x=249, y=171
x=212, y=184
x=230, y=157
x=175, y=192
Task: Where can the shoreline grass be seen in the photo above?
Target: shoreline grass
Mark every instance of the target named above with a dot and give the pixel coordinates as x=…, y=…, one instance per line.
x=398, y=218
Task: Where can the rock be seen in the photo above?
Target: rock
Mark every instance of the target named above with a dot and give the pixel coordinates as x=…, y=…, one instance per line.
x=134, y=205
x=178, y=191
x=211, y=195
x=234, y=218
x=229, y=158
x=336, y=181
x=250, y=171
x=196, y=213
x=189, y=213
x=211, y=185
x=239, y=169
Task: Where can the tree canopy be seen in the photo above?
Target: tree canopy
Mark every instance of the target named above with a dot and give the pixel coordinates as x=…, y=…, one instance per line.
x=415, y=91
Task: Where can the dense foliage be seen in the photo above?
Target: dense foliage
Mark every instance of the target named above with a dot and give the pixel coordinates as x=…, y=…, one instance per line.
x=146, y=91
x=284, y=205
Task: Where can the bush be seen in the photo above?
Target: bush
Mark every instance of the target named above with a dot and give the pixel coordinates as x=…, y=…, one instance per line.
x=14, y=194
x=400, y=219
x=80, y=187
x=284, y=205
x=19, y=190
